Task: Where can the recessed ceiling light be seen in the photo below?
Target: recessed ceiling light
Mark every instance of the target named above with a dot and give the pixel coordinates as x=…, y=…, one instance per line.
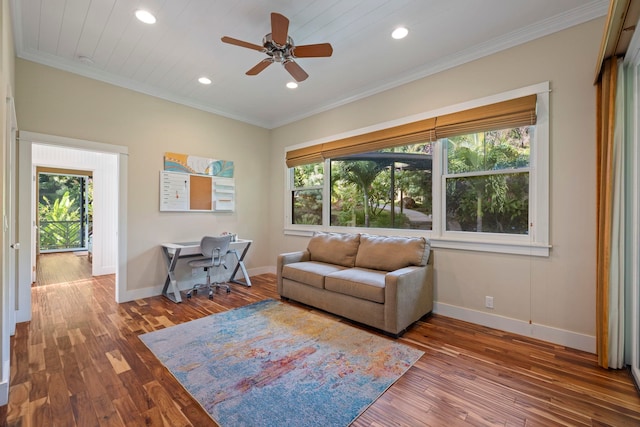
x=205, y=80
x=399, y=33
x=145, y=16
x=292, y=85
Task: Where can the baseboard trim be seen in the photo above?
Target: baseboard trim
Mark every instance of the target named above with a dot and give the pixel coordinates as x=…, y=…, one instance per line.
x=103, y=271
x=262, y=270
x=153, y=291
x=545, y=333
x=4, y=393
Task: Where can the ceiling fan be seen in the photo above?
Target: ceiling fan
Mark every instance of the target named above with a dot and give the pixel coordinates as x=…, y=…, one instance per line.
x=280, y=48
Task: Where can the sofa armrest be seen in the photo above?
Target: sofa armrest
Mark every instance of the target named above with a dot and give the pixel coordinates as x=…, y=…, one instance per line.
x=289, y=258
x=408, y=295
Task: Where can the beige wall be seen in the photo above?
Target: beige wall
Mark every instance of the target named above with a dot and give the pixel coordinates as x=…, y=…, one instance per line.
x=55, y=102
x=558, y=292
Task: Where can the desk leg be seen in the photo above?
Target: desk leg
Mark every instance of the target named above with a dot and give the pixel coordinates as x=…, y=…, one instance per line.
x=240, y=265
x=171, y=279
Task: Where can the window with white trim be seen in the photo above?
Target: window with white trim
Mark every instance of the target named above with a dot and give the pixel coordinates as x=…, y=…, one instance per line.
x=388, y=188
x=486, y=180
x=477, y=175
x=306, y=195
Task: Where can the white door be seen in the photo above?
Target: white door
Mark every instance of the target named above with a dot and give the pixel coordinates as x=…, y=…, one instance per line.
x=11, y=246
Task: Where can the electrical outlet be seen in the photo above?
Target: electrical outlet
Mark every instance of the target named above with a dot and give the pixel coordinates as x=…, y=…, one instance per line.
x=488, y=302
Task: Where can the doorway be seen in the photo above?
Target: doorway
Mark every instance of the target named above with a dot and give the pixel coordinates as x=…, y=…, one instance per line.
x=64, y=220
x=108, y=164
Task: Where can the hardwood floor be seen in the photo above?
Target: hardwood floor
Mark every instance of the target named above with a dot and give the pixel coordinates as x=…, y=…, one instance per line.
x=62, y=267
x=79, y=362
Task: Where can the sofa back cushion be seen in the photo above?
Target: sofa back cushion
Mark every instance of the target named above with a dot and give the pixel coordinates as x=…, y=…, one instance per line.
x=334, y=248
x=391, y=253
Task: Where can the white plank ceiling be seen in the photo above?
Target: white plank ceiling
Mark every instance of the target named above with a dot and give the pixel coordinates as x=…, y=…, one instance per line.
x=102, y=39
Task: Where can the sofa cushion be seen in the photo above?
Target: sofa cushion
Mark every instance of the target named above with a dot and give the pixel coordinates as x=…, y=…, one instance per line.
x=357, y=282
x=391, y=253
x=334, y=248
x=309, y=272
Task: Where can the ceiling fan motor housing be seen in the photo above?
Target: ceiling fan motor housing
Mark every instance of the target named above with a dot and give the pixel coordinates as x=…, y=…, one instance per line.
x=277, y=52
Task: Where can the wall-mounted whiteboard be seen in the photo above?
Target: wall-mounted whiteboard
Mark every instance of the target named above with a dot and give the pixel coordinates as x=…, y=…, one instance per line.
x=184, y=192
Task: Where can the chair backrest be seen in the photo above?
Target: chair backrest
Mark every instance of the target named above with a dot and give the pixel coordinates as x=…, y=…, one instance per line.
x=211, y=246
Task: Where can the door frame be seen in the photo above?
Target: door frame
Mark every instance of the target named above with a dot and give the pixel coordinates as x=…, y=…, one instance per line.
x=9, y=287
x=27, y=230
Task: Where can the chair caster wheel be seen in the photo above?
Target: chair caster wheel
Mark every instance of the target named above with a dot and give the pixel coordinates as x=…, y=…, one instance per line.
x=210, y=296
x=195, y=292
x=228, y=290
x=189, y=295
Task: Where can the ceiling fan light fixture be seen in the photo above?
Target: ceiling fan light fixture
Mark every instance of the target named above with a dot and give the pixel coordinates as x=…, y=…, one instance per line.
x=279, y=47
x=205, y=80
x=292, y=85
x=145, y=16
x=399, y=33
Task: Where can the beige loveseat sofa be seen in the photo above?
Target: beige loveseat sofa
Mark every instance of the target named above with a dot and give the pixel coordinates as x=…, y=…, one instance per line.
x=383, y=282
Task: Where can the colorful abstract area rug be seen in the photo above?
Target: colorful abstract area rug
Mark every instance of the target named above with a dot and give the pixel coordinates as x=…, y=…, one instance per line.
x=272, y=364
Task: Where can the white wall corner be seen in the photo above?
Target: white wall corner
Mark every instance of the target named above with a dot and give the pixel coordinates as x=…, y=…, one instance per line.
x=4, y=384
x=4, y=393
x=127, y=295
x=104, y=270
x=550, y=334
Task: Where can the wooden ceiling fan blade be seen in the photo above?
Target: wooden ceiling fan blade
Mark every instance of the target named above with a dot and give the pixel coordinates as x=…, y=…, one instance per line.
x=279, y=28
x=296, y=71
x=259, y=67
x=312, y=50
x=241, y=43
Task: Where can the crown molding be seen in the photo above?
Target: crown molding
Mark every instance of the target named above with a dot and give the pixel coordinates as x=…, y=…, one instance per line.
x=526, y=34
x=558, y=23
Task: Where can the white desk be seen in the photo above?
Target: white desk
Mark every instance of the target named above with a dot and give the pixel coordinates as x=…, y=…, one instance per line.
x=174, y=251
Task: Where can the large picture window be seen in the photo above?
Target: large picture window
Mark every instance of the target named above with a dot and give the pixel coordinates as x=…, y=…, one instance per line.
x=475, y=178
x=389, y=188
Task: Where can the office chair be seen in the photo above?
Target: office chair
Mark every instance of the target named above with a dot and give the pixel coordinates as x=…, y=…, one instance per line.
x=215, y=250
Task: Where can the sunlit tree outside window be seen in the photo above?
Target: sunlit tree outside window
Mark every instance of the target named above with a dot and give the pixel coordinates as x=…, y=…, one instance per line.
x=306, y=196
x=389, y=188
x=487, y=181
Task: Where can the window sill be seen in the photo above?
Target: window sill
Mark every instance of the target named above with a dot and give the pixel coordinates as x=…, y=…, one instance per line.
x=489, y=246
x=504, y=247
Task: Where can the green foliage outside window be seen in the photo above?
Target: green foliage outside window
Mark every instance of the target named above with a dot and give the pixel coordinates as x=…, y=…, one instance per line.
x=486, y=178
x=307, y=194
x=64, y=219
x=479, y=197
x=59, y=223
x=389, y=188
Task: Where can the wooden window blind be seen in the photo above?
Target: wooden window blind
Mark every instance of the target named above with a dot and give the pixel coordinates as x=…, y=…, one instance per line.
x=507, y=114
x=304, y=156
x=502, y=115
x=410, y=133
